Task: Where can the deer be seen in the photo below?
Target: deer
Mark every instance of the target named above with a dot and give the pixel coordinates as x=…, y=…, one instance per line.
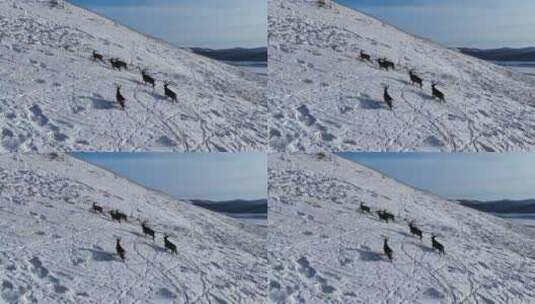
x=147, y=79
x=415, y=79
x=385, y=215
x=147, y=230
x=97, y=208
x=115, y=64
x=389, y=216
x=119, y=97
x=415, y=230
x=389, y=64
x=436, y=93
x=168, y=245
x=383, y=64
x=97, y=56
x=168, y=92
x=122, y=216
x=115, y=216
x=387, y=250
x=387, y=98
x=382, y=215
x=121, y=64
x=120, y=250
x=364, y=56
x=437, y=245
x=364, y=208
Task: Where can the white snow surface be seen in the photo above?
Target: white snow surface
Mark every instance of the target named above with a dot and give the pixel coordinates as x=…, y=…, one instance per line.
x=54, y=98
x=53, y=249
x=323, y=97
x=322, y=249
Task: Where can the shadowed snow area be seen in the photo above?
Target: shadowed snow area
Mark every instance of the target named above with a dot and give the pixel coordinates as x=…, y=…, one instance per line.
x=55, y=249
x=323, y=249
x=323, y=97
x=54, y=97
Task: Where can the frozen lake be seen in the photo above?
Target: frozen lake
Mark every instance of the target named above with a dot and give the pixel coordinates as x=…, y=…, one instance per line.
x=527, y=219
x=259, y=67
x=526, y=67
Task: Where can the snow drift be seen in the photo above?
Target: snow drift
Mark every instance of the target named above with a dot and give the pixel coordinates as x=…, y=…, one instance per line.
x=322, y=249
x=53, y=249
x=323, y=97
x=54, y=98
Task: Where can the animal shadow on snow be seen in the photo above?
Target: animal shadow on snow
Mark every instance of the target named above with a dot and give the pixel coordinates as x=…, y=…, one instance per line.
x=138, y=234
x=370, y=104
x=401, y=81
x=149, y=90
x=416, y=242
x=156, y=96
x=423, y=95
x=100, y=255
x=166, y=293
x=100, y=103
x=424, y=248
x=155, y=247
x=405, y=234
x=365, y=254
x=147, y=243
x=135, y=81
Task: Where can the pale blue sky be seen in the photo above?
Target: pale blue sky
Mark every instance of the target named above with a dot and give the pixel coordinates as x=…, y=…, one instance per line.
x=470, y=23
x=212, y=176
x=481, y=176
x=191, y=23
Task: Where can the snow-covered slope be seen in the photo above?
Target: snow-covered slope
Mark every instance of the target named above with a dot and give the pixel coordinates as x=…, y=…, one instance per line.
x=54, y=250
x=322, y=97
x=322, y=249
x=53, y=97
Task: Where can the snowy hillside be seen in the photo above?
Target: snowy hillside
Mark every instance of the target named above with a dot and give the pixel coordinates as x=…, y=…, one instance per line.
x=54, y=97
x=53, y=249
x=323, y=97
x=322, y=249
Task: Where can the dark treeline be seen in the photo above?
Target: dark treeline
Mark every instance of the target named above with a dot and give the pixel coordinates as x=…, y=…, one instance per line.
x=502, y=206
x=503, y=54
x=234, y=206
x=235, y=54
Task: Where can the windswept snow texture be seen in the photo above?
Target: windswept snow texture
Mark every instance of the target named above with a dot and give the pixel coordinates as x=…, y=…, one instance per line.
x=322, y=249
x=53, y=249
x=53, y=97
x=323, y=97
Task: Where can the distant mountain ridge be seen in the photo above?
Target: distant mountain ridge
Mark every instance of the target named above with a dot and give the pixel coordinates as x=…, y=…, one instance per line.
x=234, y=54
x=234, y=206
x=502, y=206
x=501, y=54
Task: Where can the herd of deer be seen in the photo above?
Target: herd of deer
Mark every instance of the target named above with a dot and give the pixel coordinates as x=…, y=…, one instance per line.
x=415, y=79
x=387, y=216
x=118, y=64
x=387, y=65
x=118, y=216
